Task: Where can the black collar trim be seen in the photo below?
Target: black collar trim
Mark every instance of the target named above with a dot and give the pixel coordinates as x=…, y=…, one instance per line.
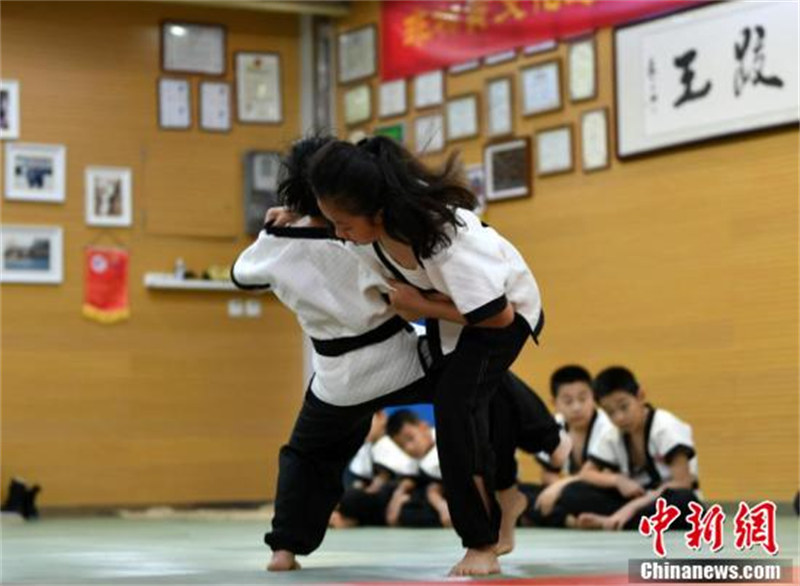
x=306, y=232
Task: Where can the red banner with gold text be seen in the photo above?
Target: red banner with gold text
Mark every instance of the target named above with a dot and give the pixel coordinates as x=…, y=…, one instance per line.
x=419, y=36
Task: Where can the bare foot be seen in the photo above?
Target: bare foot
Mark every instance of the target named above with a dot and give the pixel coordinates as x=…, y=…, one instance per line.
x=477, y=562
x=590, y=521
x=512, y=503
x=282, y=561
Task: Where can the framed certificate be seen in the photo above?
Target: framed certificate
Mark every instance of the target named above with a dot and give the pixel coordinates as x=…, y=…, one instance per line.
x=392, y=98
x=174, y=104
x=582, y=70
x=595, y=146
x=192, y=48
x=499, y=105
x=429, y=89
x=508, y=169
x=358, y=104
x=258, y=88
x=462, y=117
x=357, y=54
x=554, y=150
x=215, y=106
x=429, y=134
x=541, y=88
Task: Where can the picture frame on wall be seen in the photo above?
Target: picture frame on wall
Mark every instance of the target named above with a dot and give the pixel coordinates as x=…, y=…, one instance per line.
x=582, y=64
x=476, y=180
x=396, y=132
x=261, y=170
x=188, y=47
x=462, y=117
x=732, y=75
x=174, y=104
x=31, y=254
x=259, y=89
x=554, y=150
x=215, y=106
x=499, y=106
x=508, y=169
x=358, y=104
x=429, y=89
x=35, y=172
x=541, y=88
x=429, y=134
x=357, y=54
x=108, y=196
x=9, y=109
x=595, y=144
x=392, y=98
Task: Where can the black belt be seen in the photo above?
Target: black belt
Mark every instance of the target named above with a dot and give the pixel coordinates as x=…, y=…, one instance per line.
x=339, y=346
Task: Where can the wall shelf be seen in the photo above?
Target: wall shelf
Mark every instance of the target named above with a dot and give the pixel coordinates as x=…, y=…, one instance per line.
x=170, y=281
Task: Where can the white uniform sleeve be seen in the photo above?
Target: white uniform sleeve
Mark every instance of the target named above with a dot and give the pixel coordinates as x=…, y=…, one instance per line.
x=429, y=464
x=472, y=271
x=252, y=269
x=388, y=454
x=671, y=436
x=605, y=452
x=361, y=464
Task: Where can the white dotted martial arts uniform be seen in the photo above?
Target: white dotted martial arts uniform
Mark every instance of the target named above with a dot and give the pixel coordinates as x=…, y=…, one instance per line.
x=666, y=436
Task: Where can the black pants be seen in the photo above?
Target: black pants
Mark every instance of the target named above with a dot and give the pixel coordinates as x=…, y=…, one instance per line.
x=582, y=497
x=533, y=517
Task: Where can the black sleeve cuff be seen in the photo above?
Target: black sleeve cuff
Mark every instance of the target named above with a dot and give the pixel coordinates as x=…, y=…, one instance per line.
x=604, y=464
x=679, y=449
x=487, y=310
x=243, y=286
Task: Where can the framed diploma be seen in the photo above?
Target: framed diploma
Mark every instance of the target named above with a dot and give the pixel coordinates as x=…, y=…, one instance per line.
x=392, y=98
x=541, y=88
x=258, y=88
x=554, y=150
x=215, y=106
x=429, y=134
x=462, y=117
x=582, y=70
x=499, y=106
x=357, y=104
x=357, y=54
x=595, y=146
x=192, y=48
x=174, y=104
x=508, y=169
x=429, y=89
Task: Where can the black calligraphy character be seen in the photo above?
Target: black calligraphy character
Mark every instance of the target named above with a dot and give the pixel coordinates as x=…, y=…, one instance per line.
x=742, y=75
x=685, y=62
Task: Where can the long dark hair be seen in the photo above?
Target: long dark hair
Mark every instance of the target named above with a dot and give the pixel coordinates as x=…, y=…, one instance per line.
x=294, y=188
x=379, y=175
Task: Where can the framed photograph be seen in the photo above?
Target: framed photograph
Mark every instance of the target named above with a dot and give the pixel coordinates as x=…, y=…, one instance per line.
x=502, y=57
x=357, y=54
x=109, y=200
x=258, y=88
x=188, y=47
x=595, y=146
x=464, y=67
x=542, y=47
x=462, y=117
x=476, y=179
x=31, y=254
x=508, y=169
x=215, y=106
x=396, y=132
x=260, y=187
x=9, y=109
x=174, y=104
x=358, y=104
x=499, y=106
x=541, y=88
x=392, y=98
x=582, y=70
x=429, y=89
x=36, y=172
x=429, y=134
x=716, y=70
x=554, y=150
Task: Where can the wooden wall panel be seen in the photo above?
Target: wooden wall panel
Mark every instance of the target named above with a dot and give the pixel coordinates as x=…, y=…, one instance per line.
x=682, y=265
x=179, y=404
